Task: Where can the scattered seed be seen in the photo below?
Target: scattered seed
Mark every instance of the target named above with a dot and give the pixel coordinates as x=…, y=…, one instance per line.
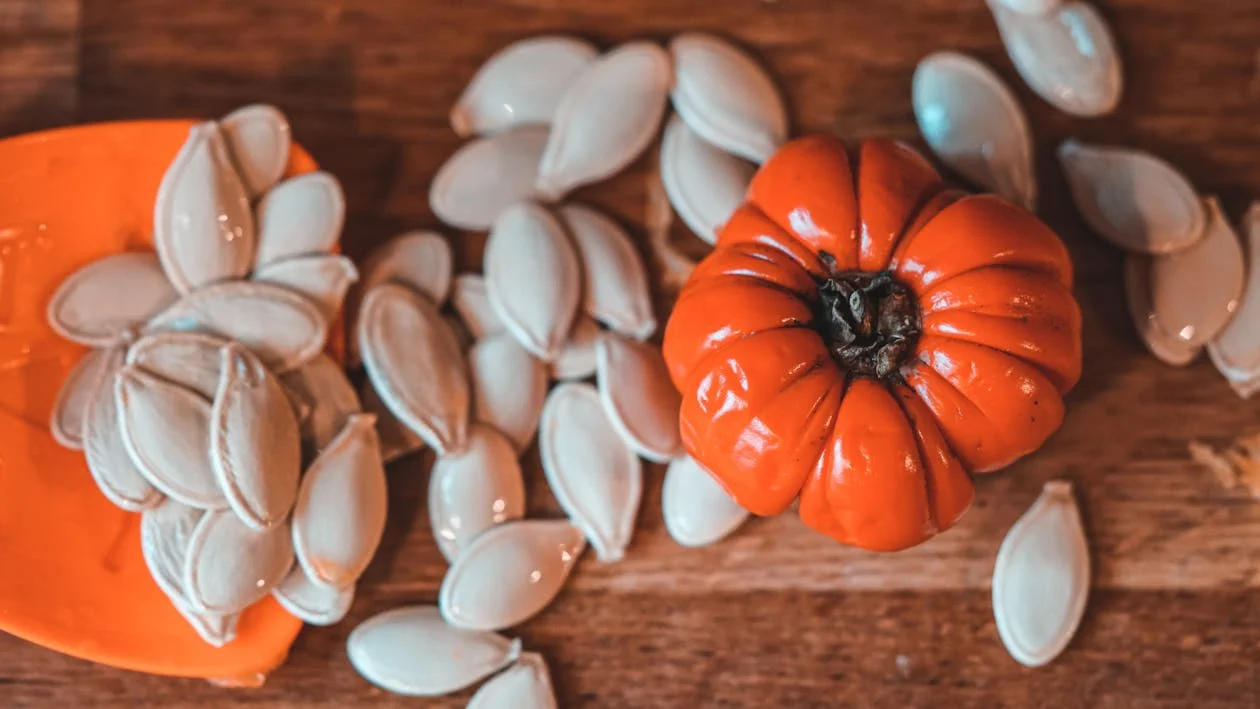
x=486, y=176
x=1132, y=199
x=637, y=395
x=533, y=278
x=704, y=184
x=616, y=290
x=470, y=300
x=524, y=685
x=509, y=574
x=520, y=85
x=412, y=651
x=975, y=125
x=594, y=475
x=472, y=491
x=1041, y=578
x=415, y=364
x=606, y=118
x=1067, y=55
x=697, y=511
x=576, y=359
x=726, y=97
x=508, y=387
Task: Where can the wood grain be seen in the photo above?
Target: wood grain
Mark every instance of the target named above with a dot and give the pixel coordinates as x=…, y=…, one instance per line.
x=775, y=616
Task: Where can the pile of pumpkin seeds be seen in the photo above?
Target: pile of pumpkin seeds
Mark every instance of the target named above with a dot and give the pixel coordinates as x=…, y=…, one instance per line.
x=208, y=404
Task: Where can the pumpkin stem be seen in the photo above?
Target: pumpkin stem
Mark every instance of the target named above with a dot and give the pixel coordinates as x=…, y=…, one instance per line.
x=870, y=321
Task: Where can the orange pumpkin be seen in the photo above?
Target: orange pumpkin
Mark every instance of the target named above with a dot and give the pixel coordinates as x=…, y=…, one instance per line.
x=864, y=338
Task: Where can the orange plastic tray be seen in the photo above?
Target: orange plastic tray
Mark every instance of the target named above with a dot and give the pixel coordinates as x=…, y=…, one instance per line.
x=71, y=574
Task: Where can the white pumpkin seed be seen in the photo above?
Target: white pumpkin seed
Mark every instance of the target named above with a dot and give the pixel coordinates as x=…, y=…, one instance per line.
x=1168, y=348
x=413, y=652
x=231, y=566
x=203, y=227
x=283, y=328
x=704, y=184
x=509, y=573
x=301, y=216
x=508, y=387
x=975, y=125
x=165, y=536
x=533, y=278
x=415, y=363
x=1032, y=7
x=1041, y=578
x=486, y=176
x=726, y=97
x=1133, y=199
x=340, y=512
x=397, y=441
x=255, y=450
x=595, y=476
x=616, y=288
x=524, y=685
x=638, y=396
x=1195, y=291
x=312, y=602
x=322, y=278
x=1236, y=350
x=331, y=398
x=259, y=139
x=91, y=309
x=71, y=407
x=520, y=85
x=166, y=431
x=606, y=118
x=107, y=458
x=697, y=511
x=470, y=300
x=165, y=533
x=658, y=221
x=576, y=359
x=190, y=359
x=215, y=629
x=1066, y=55
x=420, y=260
x=472, y=491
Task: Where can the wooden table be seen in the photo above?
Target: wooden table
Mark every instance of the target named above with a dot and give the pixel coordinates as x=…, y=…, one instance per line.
x=776, y=615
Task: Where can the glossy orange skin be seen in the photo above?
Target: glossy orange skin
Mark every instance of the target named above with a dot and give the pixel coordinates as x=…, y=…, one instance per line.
x=882, y=465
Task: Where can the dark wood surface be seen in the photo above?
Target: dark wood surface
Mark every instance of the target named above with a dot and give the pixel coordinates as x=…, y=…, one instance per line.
x=774, y=616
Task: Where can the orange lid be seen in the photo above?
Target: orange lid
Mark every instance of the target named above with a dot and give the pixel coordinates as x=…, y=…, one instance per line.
x=73, y=576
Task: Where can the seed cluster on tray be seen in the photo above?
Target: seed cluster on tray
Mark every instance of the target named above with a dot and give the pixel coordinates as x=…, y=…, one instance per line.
x=208, y=404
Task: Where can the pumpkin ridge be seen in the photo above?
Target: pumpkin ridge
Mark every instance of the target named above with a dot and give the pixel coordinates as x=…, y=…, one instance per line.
x=1063, y=382
x=995, y=430
x=929, y=485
